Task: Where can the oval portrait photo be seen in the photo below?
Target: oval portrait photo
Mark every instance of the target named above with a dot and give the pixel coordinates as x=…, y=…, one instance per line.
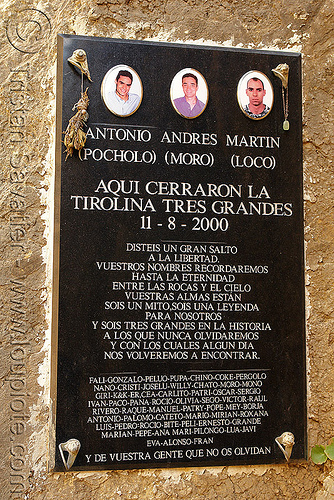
x=122, y=90
x=255, y=95
x=189, y=93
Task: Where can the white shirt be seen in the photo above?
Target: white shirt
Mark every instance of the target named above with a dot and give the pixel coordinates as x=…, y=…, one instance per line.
x=121, y=107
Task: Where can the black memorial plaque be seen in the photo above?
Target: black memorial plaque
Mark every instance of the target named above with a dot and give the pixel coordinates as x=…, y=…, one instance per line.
x=179, y=265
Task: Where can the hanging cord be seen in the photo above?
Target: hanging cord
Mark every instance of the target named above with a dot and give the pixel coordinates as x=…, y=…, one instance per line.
x=285, y=103
x=286, y=124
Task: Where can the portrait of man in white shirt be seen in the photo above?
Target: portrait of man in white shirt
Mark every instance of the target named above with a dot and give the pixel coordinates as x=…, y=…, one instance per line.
x=117, y=90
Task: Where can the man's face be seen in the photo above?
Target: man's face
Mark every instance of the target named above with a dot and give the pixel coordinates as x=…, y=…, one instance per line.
x=123, y=85
x=255, y=92
x=189, y=86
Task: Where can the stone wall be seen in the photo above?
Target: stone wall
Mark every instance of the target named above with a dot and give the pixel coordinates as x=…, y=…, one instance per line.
x=28, y=48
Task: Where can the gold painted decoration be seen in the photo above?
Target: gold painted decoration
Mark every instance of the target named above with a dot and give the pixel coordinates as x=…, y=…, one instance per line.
x=79, y=59
x=282, y=72
x=285, y=442
x=75, y=137
x=71, y=447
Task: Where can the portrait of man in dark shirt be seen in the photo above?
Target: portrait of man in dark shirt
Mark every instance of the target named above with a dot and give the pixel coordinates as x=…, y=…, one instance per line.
x=255, y=92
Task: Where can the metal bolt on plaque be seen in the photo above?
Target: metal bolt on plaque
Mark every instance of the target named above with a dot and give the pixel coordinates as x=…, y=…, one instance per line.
x=72, y=447
x=285, y=442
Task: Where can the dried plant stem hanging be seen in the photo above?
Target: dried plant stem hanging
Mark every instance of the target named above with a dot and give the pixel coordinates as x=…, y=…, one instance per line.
x=75, y=137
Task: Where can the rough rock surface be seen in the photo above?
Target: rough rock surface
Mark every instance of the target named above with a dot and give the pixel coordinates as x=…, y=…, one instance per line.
x=28, y=49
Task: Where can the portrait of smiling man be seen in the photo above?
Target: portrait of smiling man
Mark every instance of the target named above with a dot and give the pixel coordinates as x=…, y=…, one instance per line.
x=120, y=100
x=189, y=105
